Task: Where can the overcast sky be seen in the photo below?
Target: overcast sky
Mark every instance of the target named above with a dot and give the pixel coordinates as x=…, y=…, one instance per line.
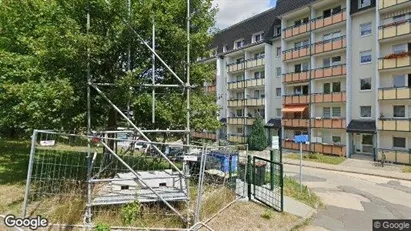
x=233, y=11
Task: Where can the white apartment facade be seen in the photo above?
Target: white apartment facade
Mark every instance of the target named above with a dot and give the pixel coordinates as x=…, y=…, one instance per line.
x=338, y=71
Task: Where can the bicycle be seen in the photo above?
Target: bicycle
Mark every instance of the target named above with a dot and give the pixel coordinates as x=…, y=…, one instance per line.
x=383, y=159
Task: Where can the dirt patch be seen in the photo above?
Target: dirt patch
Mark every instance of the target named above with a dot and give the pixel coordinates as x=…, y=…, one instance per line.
x=250, y=216
x=11, y=199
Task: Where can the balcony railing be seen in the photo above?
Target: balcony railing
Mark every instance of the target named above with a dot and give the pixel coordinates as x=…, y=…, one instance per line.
x=255, y=62
x=394, y=93
x=325, y=72
x=297, y=123
x=295, y=53
x=290, y=144
x=334, y=123
x=393, y=30
x=254, y=82
x=236, y=103
x=236, y=85
x=233, y=67
x=255, y=102
x=204, y=135
x=333, y=97
x=383, y=4
x=296, y=77
x=330, y=149
x=296, y=99
x=329, y=45
x=321, y=22
x=394, y=62
x=395, y=156
x=236, y=120
x=210, y=89
x=236, y=138
x=296, y=30
x=394, y=124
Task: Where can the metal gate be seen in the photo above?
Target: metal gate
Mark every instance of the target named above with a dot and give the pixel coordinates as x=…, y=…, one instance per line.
x=265, y=182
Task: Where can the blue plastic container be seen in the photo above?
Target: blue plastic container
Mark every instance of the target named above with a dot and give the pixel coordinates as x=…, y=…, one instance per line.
x=223, y=160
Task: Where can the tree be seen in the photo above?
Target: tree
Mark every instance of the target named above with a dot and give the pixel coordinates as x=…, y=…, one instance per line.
x=257, y=140
x=43, y=60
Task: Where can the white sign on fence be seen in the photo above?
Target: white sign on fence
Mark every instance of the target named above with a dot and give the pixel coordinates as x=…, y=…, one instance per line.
x=47, y=142
x=275, y=143
x=190, y=158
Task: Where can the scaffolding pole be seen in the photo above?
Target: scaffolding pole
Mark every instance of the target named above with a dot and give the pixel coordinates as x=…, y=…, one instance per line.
x=87, y=218
x=153, y=81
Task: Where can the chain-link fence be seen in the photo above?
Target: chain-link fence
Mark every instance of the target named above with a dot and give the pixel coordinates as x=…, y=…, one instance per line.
x=121, y=180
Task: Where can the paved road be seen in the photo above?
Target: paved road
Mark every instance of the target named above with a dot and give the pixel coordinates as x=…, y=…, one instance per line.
x=353, y=200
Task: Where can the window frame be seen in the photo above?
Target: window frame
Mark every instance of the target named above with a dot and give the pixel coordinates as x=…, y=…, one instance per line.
x=328, y=110
x=278, y=90
x=278, y=54
x=403, y=76
x=278, y=72
x=361, y=30
x=363, y=107
x=404, y=110
x=361, y=55
x=362, y=4
x=278, y=112
x=361, y=84
x=332, y=112
x=404, y=45
x=336, y=142
x=396, y=147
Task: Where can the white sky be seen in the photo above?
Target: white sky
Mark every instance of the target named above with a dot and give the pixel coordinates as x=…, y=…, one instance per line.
x=234, y=11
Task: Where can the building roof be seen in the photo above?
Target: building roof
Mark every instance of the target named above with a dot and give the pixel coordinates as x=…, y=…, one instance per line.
x=362, y=126
x=273, y=123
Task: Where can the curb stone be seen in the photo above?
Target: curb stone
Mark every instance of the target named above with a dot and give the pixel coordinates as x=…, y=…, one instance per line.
x=301, y=221
x=350, y=171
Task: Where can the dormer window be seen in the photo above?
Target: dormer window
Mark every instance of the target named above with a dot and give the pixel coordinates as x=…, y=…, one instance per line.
x=239, y=43
x=225, y=48
x=277, y=31
x=258, y=37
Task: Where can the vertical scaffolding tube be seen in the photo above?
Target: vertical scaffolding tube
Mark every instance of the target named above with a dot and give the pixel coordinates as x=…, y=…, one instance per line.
x=88, y=212
x=188, y=99
x=29, y=172
x=153, y=68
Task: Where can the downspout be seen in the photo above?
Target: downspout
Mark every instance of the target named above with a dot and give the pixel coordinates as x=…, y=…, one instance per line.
x=377, y=85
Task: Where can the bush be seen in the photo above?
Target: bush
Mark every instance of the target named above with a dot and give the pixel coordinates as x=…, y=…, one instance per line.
x=130, y=212
x=257, y=140
x=102, y=227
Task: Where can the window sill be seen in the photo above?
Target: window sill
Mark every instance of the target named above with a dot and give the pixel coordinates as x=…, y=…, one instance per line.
x=367, y=118
x=366, y=63
x=368, y=90
x=364, y=36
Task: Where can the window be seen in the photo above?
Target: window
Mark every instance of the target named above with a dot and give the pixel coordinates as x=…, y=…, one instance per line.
x=301, y=44
x=240, y=60
x=278, y=111
x=398, y=142
x=327, y=62
x=399, y=18
x=364, y=3
x=239, y=113
x=239, y=78
x=256, y=94
x=365, y=84
x=301, y=90
x=239, y=95
x=365, y=56
x=336, y=112
x=278, y=92
x=398, y=81
x=330, y=36
x=277, y=31
x=258, y=37
x=336, y=87
x=302, y=21
x=259, y=75
x=301, y=67
x=366, y=29
x=225, y=48
x=399, y=111
x=326, y=112
x=400, y=48
x=278, y=71
x=239, y=44
x=329, y=12
x=336, y=139
x=365, y=111
x=259, y=55
x=278, y=51
x=327, y=88
x=239, y=130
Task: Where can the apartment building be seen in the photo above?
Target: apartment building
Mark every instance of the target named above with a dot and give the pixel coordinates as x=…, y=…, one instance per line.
x=338, y=71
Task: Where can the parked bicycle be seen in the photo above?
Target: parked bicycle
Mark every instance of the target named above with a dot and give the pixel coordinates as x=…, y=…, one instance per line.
x=383, y=159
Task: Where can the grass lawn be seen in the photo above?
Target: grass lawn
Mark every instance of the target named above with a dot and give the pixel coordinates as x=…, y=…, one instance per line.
x=406, y=169
x=292, y=189
x=319, y=158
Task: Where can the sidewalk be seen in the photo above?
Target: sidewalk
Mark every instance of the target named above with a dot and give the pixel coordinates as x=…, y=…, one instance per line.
x=299, y=209
x=357, y=166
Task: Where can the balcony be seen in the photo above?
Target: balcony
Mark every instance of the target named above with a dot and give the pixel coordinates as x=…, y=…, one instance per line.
x=330, y=149
x=236, y=103
x=290, y=144
x=296, y=53
x=234, y=67
x=395, y=156
x=236, y=120
x=210, y=89
x=296, y=30
x=296, y=99
x=394, y=61
x=255, y=62
x=236, y=85
x=394, y=124
x=332, y=123
x=254, y=82
x=204, y=135
x=236, y=138
x=384, y=4
x=332, y=71
x=296, y=77
x=321, y=22
x=394, y=29
x=394, y=93
x=329, y=45
x=333, y=97
x=297, y=123
x=255, y=102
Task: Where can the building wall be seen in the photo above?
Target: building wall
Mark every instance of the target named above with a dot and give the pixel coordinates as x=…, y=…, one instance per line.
x=386, y=139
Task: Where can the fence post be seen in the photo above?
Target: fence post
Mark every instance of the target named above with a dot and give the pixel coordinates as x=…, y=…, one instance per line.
x=29, y=172
x=272, y=169
x=249, y=169
x=282, y=186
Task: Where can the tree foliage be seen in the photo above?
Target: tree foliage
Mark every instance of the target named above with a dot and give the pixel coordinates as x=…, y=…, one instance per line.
x=43, y=63
x=257, y=140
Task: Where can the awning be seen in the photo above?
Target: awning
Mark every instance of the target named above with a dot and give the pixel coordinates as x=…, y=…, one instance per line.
x=294, y=109
x=362, y=126
x=273, y=123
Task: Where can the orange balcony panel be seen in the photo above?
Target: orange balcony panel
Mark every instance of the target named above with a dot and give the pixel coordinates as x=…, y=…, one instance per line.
x=319, y=24
x=288, y=33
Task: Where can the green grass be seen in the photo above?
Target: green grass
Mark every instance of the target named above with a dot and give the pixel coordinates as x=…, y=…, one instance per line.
x=319, y=158
x=406, y=169
x=292, y=189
